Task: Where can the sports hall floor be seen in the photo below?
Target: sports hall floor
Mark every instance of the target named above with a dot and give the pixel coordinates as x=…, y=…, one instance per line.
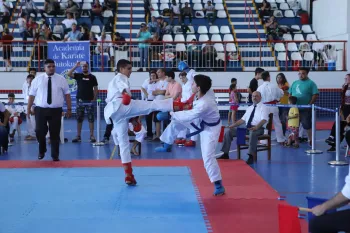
x=85, y=192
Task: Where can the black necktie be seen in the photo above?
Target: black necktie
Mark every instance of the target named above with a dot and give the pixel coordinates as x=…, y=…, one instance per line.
x=249, y=124
x=49, y=91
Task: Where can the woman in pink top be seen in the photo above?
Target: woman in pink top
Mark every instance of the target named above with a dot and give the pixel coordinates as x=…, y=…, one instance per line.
x=174, y=88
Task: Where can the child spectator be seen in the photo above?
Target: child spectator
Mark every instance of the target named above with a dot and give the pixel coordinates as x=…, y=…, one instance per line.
x=233, y=81
x=233, y=100
x=293, y=124
x=15, y=111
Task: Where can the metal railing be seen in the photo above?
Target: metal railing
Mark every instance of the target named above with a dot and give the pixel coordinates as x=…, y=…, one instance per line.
x=207, y=56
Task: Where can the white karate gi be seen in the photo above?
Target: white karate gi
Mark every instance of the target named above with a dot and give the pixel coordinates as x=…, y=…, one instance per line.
x=204, y=109
x=31, y=124
x=120, y=113
x=270, y=92
x=185, y=95
x=14, y=109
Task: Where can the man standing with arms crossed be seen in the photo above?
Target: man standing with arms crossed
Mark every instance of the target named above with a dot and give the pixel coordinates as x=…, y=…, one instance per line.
x=87, y=93
x=49, y=90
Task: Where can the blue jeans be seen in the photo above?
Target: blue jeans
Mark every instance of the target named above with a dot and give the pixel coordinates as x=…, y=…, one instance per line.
x=144, y=57
x=4, y=140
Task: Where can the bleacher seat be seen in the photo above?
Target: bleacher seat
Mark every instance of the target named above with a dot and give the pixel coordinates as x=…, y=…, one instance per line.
x=228, y=37
x=203, y=38
x=292, y=47
x=279, y=47
x=225, y=30
x=284, y=6
x=214, y=30
x=216, y=38
x=221, y=14
x=202, y=30
x=289, y=14
x=306, y=29
x=179, y=38
x=311, y=37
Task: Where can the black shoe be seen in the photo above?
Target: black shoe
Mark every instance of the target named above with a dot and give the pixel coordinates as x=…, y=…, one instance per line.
x=330, y=141
x=55, y=159
x=224, y=156
x=41, y=156
x=250, y=160
x=332, y=149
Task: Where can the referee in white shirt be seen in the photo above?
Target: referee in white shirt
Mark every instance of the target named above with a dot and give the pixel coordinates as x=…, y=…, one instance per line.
x=49, y=90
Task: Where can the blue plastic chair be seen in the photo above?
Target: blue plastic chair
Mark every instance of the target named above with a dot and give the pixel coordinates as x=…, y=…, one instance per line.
x=314, y=201
x=241, y=134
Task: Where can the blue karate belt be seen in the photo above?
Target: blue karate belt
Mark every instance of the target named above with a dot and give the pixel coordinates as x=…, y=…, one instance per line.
x=201, y=127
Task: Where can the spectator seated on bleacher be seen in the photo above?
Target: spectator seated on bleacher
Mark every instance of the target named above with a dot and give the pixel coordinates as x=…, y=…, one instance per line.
x=175, y=11
x=167, y=29
x=68, y=22
x=106, y=46
x=152, y=26
x=22, y=27
x=210, y=12
x=58, y=29
x=73, y=35
x=119, y=42
x=72, y=8
x=97, y=11
x=5, y=12
x=265, y=9
x=7, y=39
x=31, y=8
x=52, y=7
x=15, y=118
x=186, y=11
x=85, y=34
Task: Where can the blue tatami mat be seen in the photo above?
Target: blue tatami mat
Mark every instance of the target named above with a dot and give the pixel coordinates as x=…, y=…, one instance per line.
x=96, y=200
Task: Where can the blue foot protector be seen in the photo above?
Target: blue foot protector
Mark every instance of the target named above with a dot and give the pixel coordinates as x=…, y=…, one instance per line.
x=219, y=188
x=165, y=148
x=162, y=116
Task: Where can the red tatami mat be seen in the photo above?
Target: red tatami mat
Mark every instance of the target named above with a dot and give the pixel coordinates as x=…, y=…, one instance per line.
x=249, y=205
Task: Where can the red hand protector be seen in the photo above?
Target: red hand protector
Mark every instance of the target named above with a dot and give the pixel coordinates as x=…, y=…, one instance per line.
x=126, y=99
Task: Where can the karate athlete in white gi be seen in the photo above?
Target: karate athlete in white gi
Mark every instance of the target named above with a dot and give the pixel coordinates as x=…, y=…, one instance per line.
x=206, y=110
x=186, y=77
x=120, y=108
x=271, y=94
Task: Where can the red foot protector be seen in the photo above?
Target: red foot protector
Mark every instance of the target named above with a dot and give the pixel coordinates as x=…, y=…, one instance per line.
x=129, y=177
x=126, y=99
x=288, y=219
x=19, y=120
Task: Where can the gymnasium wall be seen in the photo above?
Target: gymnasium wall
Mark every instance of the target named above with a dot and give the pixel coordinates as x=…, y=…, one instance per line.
x=331, y=21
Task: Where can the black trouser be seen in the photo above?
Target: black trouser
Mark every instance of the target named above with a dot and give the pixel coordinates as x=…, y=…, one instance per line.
x=331, y=223
x=108, y=130
x=53, y=117
x=283, y=114
x=342, y=128
x=149, y=123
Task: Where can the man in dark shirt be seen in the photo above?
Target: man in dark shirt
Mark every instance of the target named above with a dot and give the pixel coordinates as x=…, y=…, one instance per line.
x=87, y=92
x=253, y=85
